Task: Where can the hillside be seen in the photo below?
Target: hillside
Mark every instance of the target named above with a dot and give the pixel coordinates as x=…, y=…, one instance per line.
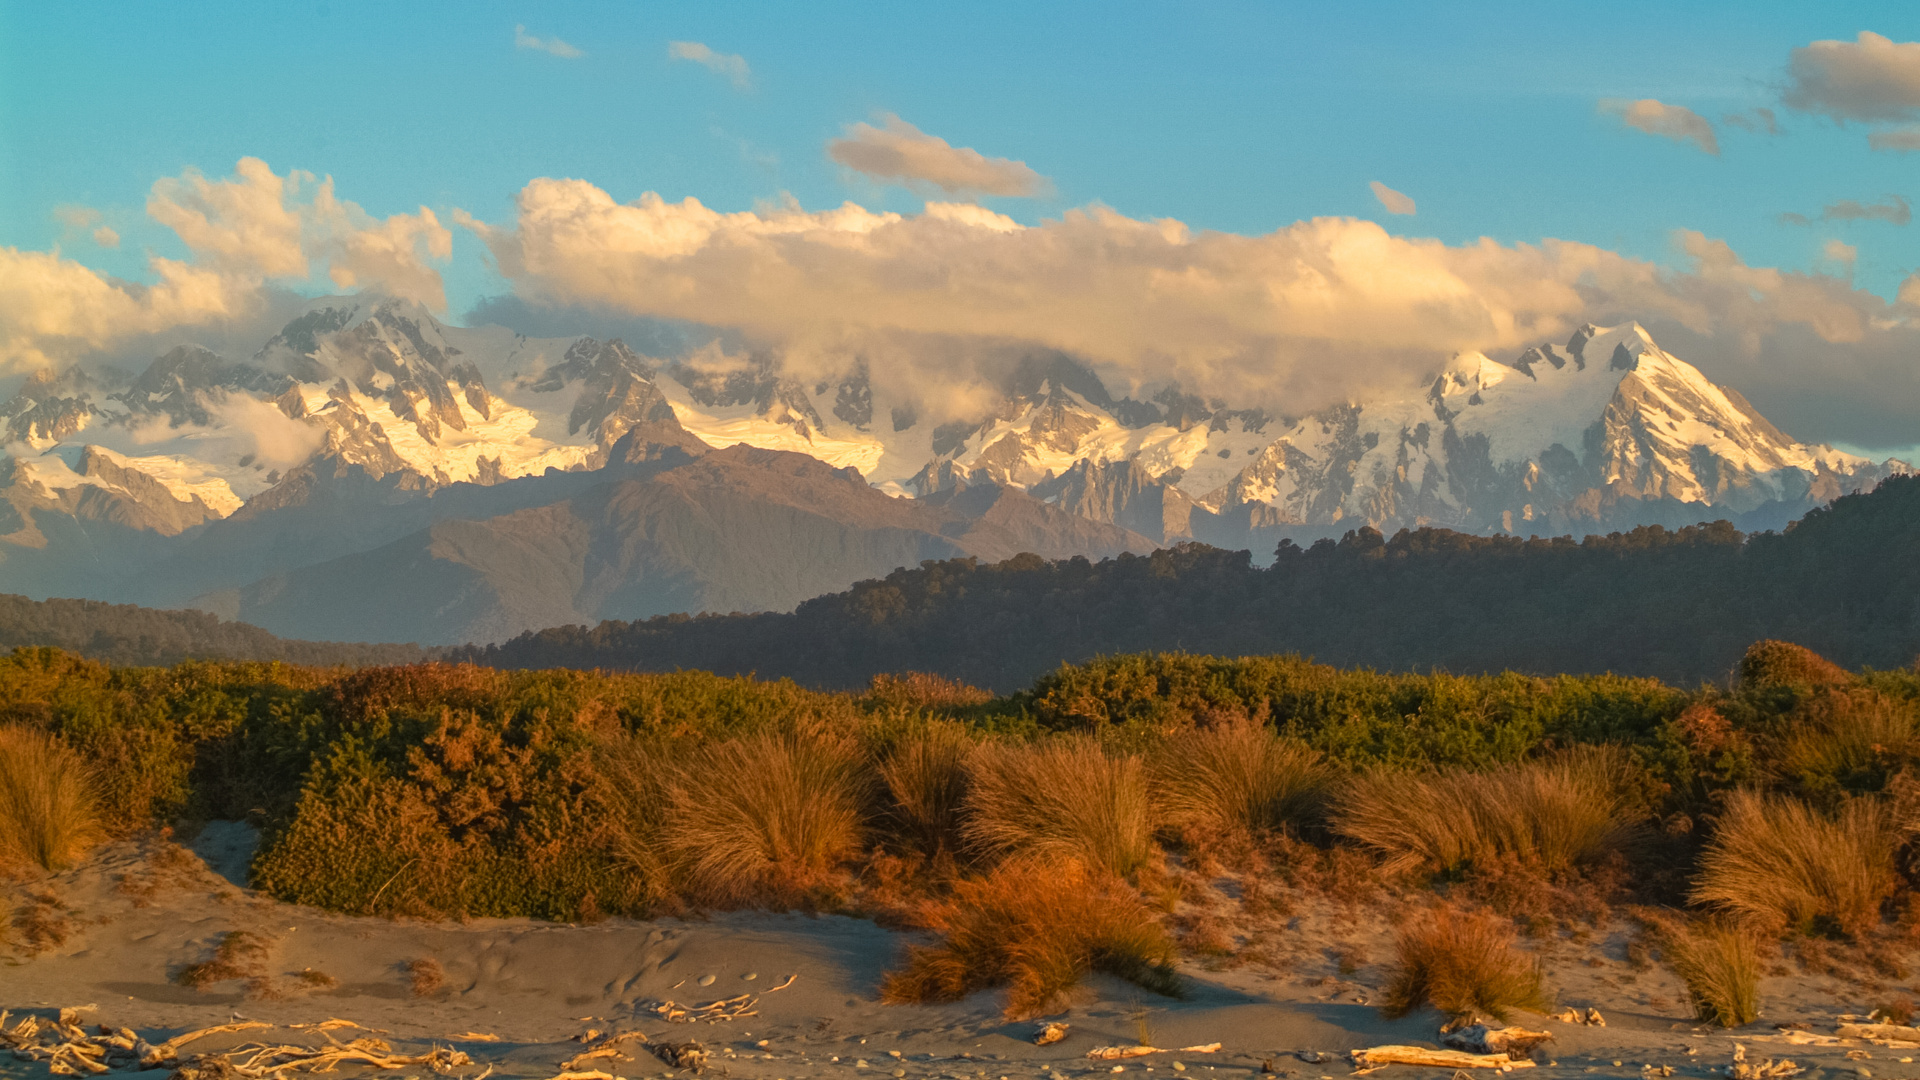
x=1676, y=604
x=123, y=634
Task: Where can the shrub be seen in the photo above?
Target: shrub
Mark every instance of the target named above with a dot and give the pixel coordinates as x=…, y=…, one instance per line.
x=1465, y=965
x=1551, y=816
x=425, y=976
x=1720, y=966
x=1037, y=928
x=48, y=817
x=926, y=777
x=766, y=818
x=1781, y=663
x=920, y=690
x=1848, y=740
x=1063, y=799
x=1236, y=778
x=1778, y=863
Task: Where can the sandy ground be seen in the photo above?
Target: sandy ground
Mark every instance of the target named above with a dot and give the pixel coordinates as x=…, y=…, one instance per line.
x=518, y=994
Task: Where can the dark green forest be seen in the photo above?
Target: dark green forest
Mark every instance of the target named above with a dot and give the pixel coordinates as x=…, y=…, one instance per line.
x=123, y=635
x=1679, y=605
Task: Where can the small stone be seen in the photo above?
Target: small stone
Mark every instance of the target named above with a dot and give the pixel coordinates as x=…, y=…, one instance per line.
x=1179, y=1066
x=1118, y=1068
x=860, y=1064
x=1862, y=1070
x=706, y=980
x=893, y=1053
x=899, y=1072
x=762, y=1044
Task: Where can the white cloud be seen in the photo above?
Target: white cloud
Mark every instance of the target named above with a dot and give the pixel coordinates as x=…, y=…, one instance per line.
x=900, y=153
x=1394, y=201
x=733, y=66
x=242, y=233
x=1676, y=122
x=79, y=219
x=1313, y=314
x=552, y=46
x=1841, y=252
x=1870, y=78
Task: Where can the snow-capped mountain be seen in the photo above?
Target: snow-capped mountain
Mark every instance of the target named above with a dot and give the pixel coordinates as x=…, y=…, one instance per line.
x=391, y=414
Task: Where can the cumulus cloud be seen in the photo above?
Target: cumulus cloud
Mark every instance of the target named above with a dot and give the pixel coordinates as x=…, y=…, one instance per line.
x=1394, y=201
x=1839, y=251
x=1870, y=78
x=1899, y=140
x=85, y=219
x=900, y=153
x=243, y=233
x=1759, y=121
x=1309, y=315
x=1676, y=122
x=732, y=65
x=552, y=46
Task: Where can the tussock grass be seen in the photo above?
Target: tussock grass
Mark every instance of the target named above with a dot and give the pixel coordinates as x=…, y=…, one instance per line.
x=1551, y=816
x=1465, y=965
x=1779, y=864
x=926, y=777
x=1063, y=799
x=1849, y=740
x=238, y=956
x=1037, y=928
x=768, y=818
x=1782, y=663
x=48, y=815
x=425, y=977
x=636, y=778
x=921, y=690
x=1237, y=778
x=1720, y=966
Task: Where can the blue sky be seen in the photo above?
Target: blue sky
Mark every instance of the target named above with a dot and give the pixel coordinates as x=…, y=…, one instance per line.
x=1241, y=117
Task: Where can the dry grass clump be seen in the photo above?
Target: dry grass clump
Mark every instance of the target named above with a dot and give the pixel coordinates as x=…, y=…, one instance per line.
x=921, y=690
x=1550, y=816
x=1849, y=739
x=768, y=818
x=636, y=779
x=1237, y=778
x=926, y=776
x=315, y=980
x=1782, y=663
x=425, y=977
x=1778, y=864
x=1720, y=966
x=238, y=956
x=1036, y=928
x=1058, y=800
x=1465, y=965
x=48, y=817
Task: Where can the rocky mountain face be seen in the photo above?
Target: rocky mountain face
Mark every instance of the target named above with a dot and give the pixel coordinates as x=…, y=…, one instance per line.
x=371, y=472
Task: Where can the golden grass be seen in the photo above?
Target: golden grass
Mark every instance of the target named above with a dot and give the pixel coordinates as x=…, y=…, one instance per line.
x=237, y=956
x=1844, y=735
x=1059, y=800
x=636, y=779
x=769, y=818
x=1779, y=864
x=1552, y=815
x=425, y=977
x=926, y=777
x=1036, y=928
x=1465, y=965
x=921, y=690
x=48, y=816
x=1237, y=778
x=1720, y=966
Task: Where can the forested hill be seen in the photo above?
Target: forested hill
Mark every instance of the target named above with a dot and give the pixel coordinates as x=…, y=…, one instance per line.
x=1680, y=605
x=123, y=634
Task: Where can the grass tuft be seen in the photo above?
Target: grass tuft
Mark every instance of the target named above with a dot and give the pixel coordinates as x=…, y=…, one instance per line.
x=1849, y=740
x=926, y=776
x=1720, y=966
x=769, y=818
x=1036, y=928
x=1779, y=864
x=1465, y=965
x=425, y=977
x=237, y=956
x=48, y=817
x=1059, y=800
x=1551, y=816
x=1237, y=778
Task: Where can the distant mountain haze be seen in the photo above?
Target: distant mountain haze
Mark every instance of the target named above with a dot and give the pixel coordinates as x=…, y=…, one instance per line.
x=369, y=473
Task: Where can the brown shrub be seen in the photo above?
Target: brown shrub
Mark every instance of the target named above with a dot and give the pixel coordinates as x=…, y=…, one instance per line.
x=1550, y=816
x=921, y=690
x=769, y=818
x=1236, y=778
x=425, y=976
x=1782, y=663
x=1720, y=966
x=238, y=956
x=1465, y=965
x=48, y=817
x=926, y=777
x=1778, y=864
x=1036, y=928
x=1059, y=800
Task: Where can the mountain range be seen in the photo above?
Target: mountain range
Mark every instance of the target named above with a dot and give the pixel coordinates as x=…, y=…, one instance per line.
x=370, y=473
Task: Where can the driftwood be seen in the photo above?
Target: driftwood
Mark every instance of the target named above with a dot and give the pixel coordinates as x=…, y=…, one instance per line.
x=607, y=1047
x=733, y=1008
x=1515, y=1042
x=1112, y=1053
x=69, y=1050
x=1892, y=1036
x=1765, y=1070
x=686, y=1055
x=1051, y=1033
x=1379, y=1056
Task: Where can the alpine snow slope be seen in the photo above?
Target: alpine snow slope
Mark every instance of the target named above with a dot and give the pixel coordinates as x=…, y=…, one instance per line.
x=370, y=473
